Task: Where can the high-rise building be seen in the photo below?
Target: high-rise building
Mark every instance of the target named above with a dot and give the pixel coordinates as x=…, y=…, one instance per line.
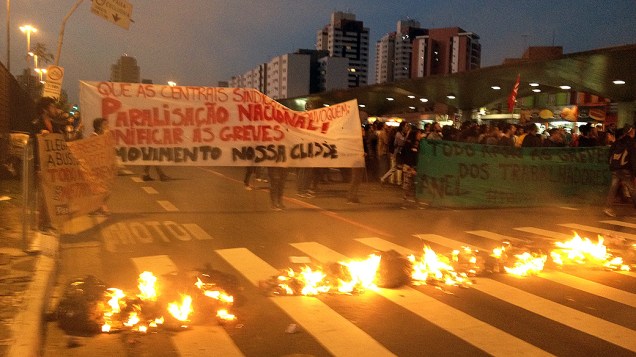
x=348, y=38
x=288, y=76
x=394, y=52
x=254, y=78
x=445, y=51
x=125, y=70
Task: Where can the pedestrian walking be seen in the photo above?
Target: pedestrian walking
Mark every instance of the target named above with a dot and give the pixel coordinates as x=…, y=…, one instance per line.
x=622, y=164
x=277, y=178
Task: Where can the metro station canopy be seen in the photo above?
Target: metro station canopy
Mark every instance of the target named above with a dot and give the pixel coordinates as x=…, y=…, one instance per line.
x=592, y=72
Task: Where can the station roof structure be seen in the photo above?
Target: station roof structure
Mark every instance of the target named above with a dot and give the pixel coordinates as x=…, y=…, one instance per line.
x=593, y=72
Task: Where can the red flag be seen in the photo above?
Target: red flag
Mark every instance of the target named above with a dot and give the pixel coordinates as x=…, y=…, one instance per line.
x=513, y=95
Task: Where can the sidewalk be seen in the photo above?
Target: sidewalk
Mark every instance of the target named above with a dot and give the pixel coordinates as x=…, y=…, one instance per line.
x=25, y=277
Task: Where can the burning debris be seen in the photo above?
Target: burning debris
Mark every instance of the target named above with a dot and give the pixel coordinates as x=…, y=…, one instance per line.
x=582, y=251
x=391, y=270
x=88, y=306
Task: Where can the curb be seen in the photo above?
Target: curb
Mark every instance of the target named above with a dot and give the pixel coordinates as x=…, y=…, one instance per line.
x=28, y=326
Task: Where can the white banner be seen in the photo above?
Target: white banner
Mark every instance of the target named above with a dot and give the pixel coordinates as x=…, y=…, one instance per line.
x=204, y=126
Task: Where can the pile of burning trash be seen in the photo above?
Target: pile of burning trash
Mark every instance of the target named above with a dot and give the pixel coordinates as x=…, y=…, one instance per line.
x=89, y=306
x=391, y=270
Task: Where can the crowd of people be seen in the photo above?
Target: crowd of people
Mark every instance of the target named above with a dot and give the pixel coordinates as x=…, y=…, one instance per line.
x=391, y=151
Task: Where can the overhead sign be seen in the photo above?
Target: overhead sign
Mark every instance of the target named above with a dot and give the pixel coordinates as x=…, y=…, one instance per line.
x=53, y=85
x=115, y=11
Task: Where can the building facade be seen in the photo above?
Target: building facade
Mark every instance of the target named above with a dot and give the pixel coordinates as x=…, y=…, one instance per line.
x=125, y=70
x=394, y=52
x=348, y=38
x=288, y=76
x=445, y=51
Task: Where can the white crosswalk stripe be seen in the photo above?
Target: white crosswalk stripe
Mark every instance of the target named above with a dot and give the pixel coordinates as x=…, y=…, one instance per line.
x=546, y=234
x=498, y=238
x=601, y=231
x=476, y=332
x=342, y=337
x=608, y=331
x=335, y=333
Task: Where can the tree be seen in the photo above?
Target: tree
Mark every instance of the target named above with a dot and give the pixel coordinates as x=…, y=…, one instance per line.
x=40, y=50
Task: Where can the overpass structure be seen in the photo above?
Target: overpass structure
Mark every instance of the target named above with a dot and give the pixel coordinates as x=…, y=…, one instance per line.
x=607, y=72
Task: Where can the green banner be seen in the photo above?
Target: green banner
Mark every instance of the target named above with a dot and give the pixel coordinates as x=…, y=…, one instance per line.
x=454, y=174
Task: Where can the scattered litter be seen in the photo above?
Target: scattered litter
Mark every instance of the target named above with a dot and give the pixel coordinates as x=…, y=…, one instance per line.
x=292, y=328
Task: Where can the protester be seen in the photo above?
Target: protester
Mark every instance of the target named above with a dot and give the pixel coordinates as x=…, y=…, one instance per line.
x=162, y=176
x=277, y=179
x=409, y=161
x=382, y=132
x=395, y=172
x=50, y=119
x=532, y=138
x=249, y=170
x=622, y=165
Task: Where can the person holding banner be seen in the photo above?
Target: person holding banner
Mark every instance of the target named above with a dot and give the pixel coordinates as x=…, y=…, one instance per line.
x=49, y=120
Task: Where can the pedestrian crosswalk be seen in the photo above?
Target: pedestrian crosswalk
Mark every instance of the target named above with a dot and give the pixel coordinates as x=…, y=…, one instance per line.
x=570, y=329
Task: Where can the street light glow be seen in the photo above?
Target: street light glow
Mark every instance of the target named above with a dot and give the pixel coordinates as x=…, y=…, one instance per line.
x=28, y=29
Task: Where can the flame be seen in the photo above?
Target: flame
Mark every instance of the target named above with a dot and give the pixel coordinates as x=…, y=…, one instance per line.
x=181, y=311
x=146, y=286
x=582, y=251
x=133, y=319
x=363, y=274
x=114, y=302
x=158, y=321
x=435, y=268
x=313, y=281
x=527, y=264
x=305, y=282
x=224, y=315
x=216, y=294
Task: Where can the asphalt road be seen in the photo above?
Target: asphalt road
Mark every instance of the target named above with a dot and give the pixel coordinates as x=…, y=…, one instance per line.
x=205, y=217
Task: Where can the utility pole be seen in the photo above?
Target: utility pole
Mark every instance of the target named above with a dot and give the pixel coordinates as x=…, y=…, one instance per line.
x=61, y=36
x=9, y=36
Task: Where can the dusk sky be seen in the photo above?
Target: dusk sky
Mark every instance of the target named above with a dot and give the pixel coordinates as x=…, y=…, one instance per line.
x=202, y=42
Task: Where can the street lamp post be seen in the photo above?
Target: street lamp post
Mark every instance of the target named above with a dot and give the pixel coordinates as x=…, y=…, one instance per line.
x=9, y=36
x=28, y=29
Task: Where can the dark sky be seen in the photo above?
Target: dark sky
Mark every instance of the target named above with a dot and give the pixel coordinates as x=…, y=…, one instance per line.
x=201, y=42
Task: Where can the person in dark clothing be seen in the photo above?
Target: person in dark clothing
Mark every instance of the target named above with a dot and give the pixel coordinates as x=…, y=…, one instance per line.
x=277, y=179
x=532, y=139
x=556, y=138
x=409, y=161
x=622, y=164
x=588, y=137
x=49, y=119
